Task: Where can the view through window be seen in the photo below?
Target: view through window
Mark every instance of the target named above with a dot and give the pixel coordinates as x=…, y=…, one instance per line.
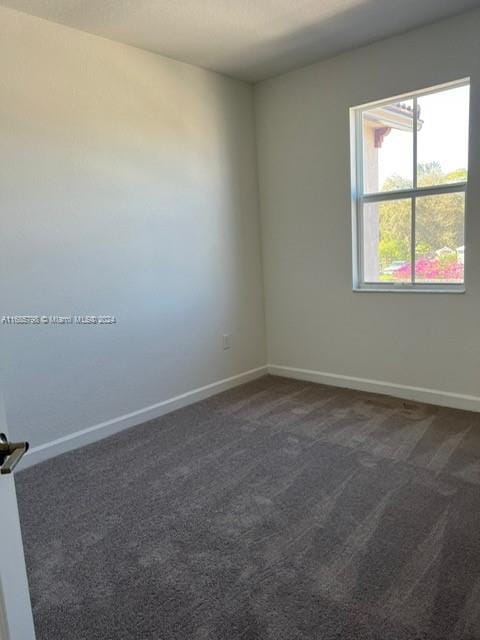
x=411, y=178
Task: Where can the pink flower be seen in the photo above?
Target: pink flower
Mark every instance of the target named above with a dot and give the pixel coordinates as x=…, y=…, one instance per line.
x=431, y=269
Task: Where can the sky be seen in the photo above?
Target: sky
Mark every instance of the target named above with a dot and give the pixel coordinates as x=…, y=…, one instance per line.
x=442, y=138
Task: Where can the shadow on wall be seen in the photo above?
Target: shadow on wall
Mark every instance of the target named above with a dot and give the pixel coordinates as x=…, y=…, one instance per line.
x=131, y=184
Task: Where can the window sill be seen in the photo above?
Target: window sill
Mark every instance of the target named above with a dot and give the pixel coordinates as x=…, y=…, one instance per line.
x=443, y=290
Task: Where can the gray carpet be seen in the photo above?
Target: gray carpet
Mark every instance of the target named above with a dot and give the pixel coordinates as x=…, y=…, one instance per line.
x=280, y=510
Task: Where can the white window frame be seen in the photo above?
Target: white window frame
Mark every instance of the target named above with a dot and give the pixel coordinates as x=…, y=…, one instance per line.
x=359, y=198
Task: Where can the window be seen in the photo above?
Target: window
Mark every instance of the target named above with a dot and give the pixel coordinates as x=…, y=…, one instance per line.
x=410, y=159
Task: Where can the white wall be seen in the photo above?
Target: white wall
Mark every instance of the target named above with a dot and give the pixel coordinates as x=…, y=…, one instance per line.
x=128, y=186
x=314, y=319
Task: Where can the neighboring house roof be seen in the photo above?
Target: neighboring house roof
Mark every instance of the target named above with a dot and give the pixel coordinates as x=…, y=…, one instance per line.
x=398, y=115
x=444, y=250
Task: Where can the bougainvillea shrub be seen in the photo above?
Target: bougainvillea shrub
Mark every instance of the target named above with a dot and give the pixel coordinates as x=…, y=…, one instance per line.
x=431, y=270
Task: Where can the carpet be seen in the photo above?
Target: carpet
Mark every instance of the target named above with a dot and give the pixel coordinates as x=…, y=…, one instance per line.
x=279, y=510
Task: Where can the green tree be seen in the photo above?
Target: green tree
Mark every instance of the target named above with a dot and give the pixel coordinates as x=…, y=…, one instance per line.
x=439, y=218
x=395, y=231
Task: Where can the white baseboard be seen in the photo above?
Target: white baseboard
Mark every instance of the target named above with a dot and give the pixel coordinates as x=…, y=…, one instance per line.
x=104, y=429
x=418, y=394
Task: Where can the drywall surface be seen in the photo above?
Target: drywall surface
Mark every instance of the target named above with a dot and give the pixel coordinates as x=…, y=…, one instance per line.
x=314, y=319
x=128, y=187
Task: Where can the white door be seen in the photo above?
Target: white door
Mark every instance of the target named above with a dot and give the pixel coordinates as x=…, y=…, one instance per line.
x=16, y=621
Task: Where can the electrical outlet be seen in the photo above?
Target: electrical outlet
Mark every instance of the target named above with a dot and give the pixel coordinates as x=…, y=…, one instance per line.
x=227, y=341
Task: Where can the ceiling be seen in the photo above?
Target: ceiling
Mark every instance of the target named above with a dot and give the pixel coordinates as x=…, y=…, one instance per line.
x=247, y=39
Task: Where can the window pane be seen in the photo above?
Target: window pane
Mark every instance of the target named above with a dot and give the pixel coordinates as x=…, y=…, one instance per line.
x=439, y=238
x=388, y=147
x=442, y=147
x=387, y=241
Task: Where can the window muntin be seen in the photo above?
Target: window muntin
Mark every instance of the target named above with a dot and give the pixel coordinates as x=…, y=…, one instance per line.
x=411, y=171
